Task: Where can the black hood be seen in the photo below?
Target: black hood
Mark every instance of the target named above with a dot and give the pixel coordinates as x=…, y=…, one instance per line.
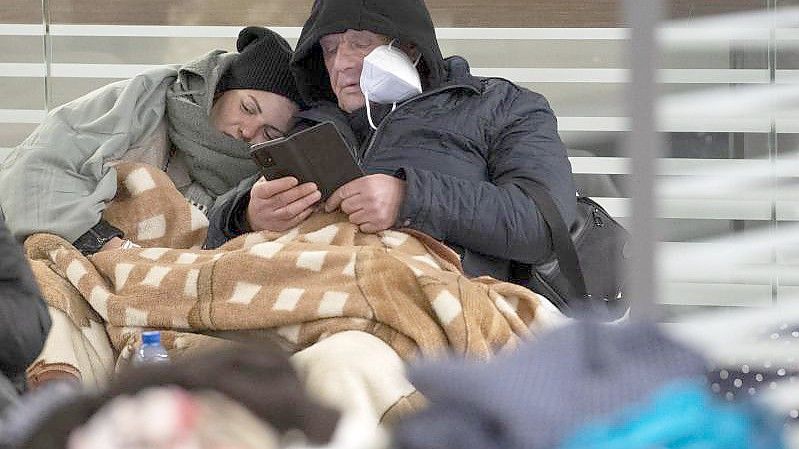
x=405, y=20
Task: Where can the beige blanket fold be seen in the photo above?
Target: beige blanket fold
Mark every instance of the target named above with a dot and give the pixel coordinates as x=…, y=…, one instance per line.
x=318, y=279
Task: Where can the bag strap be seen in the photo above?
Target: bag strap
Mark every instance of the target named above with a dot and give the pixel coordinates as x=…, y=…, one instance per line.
x=562, y=244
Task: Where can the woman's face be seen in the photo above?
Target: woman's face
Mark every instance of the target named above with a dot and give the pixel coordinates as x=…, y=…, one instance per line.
x=253, y=116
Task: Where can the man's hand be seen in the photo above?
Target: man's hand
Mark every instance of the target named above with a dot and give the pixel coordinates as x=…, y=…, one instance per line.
x=371, y=202
x=280, y=204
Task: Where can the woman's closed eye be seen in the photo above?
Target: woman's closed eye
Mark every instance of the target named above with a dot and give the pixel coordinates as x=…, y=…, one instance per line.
x=248, y=108
x=272, y=133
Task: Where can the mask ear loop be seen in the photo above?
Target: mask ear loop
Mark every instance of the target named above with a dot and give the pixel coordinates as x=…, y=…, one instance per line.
x=393, y=105
x=418, y=57
x=415, y=63
x=369, y=111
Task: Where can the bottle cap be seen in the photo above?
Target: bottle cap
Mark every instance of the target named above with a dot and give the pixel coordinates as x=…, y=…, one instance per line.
x=151, y=337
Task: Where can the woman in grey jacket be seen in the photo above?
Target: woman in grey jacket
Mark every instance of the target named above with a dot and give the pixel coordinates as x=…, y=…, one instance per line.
x=195, y=121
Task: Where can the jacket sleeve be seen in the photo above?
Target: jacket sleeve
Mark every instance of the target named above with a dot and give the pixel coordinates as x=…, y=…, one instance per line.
x=24, y=320
x=58, y=179
x=494, y=217
x=226, y=219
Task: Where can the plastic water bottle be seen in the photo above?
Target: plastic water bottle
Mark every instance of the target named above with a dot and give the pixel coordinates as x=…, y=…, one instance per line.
x=151, y=349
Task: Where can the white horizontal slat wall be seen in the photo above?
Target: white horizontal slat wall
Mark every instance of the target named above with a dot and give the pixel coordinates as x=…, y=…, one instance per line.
x=22, y=76
x=83, y=57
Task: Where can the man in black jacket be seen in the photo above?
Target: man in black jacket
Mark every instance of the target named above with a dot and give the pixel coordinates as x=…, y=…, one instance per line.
x=444, y=161
x=24, y=321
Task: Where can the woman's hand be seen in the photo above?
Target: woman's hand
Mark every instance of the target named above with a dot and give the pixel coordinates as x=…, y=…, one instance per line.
x=281, y=204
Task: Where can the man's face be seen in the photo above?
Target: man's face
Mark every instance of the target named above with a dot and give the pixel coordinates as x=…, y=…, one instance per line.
x=253, y=116
x=344, y=53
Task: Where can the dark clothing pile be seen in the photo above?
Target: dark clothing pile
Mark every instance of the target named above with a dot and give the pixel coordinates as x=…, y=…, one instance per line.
x=8, y=395
x=24, y=320
x=460, y=145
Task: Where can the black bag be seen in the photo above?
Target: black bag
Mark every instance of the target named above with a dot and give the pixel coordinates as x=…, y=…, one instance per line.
x=585, y=275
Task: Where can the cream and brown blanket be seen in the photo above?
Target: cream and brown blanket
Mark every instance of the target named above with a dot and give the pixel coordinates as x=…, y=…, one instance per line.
x=320, y=278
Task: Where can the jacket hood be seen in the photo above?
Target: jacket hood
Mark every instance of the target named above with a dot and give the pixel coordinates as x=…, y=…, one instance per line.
x=197, y=80
x=405, y=20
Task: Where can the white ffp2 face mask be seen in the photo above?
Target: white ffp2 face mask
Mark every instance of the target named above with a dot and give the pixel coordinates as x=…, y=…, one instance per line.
x=388, y=76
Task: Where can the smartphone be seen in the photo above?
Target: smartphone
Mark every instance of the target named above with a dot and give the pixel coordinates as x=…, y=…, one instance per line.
x=318, y=154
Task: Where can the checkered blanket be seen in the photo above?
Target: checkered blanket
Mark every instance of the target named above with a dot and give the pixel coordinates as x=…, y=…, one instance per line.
x=317, y=279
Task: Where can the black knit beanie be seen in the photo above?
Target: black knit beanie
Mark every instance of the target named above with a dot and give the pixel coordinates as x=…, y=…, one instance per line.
x=262, y=64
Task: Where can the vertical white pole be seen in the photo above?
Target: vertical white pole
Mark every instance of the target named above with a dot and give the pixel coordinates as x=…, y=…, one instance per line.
x=643, y=146
x=47, y=44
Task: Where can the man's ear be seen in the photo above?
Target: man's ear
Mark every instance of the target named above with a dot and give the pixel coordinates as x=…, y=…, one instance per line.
x=410, y=50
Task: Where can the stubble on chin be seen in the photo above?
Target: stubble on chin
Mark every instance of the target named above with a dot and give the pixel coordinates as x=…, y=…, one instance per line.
x=352, y=102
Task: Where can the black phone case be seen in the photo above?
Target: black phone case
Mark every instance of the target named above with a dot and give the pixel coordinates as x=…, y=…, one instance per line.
x=317, y=154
